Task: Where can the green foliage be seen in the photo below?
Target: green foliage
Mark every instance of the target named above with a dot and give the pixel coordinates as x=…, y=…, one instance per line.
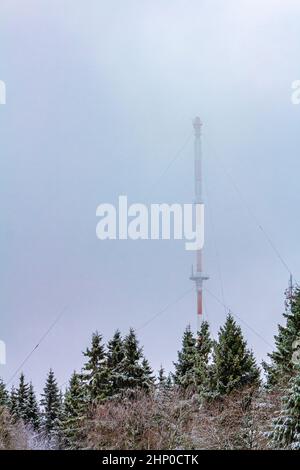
x=22, y=398
x=23, y=404
x=193, y=369
x=164, y=383
x=51, y=409
x=115, y=350
x=13, y=403
x=74, y=410
x=148, y=378
x=184, y=375
x=281, y=366
x=234, y=365
x=133, y=373
x=33, y=417
x=286, y=428
x=115, y=356
x=122, y=367
x=95, y=370
x=202, y=366
x=161, y=378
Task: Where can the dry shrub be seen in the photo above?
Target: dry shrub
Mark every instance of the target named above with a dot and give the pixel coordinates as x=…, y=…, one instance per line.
x=176, y=421
x=13, y=435
x=150, y=421
x=238, y=421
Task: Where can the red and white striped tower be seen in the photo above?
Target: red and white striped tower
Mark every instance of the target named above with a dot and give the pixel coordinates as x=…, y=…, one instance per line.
x=197, y=274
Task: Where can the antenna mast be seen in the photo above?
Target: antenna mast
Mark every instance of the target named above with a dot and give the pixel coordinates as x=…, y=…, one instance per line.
x=197, y=274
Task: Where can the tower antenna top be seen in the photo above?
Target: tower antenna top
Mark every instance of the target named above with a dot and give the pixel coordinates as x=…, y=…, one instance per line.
x=197, y=123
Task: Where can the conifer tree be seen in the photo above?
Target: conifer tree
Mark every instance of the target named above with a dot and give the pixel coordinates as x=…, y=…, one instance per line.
x=164, y=382
x=286, y=428
x=33, y=412
x=169, y=383
x=184, y=375
x=4, y=400
x=115, y=356
x=131, y=369
x=13, y=403
x=115, y=350
x=95, y=370
x=234, y=365
x=148, y=378
x=51, y=409
x=22, y=398
x=281, y=366
x=202, y=368
x=161, y=378
x=74, y=409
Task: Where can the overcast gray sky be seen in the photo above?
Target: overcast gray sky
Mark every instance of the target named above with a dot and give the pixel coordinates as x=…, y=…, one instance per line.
x=100, y=97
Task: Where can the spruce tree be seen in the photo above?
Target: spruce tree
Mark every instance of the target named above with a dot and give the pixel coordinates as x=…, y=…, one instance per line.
x=115, y=350
x=131, y=369
x=51, y=409
x=148, y=378
x=115, y=356
x=202, y=368
x=95, y=370
x=74, y=409
x=234, y=365
x=161, y=378
x=184, y=375
x=281, y=366
x=4, y=399
x=170, y=381
x=33, y=417
x=164, y=382
x=286, y=428
x=22, y=398
x=13, y=403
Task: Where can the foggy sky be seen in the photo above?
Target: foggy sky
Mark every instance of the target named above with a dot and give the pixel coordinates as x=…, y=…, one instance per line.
x=100, y=98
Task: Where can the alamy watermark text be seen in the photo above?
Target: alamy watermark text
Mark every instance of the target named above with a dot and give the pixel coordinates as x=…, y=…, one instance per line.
x=159, y=221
